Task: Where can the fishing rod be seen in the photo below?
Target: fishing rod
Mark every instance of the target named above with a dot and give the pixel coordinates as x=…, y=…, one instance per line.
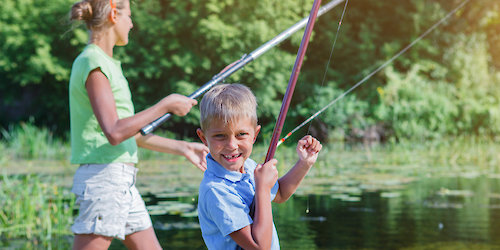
x=247, y=58
x=292, y=82
x=374, y=71
x=291, y=86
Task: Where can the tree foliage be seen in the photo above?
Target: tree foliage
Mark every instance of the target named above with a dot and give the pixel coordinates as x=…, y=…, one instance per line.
x=444, y=85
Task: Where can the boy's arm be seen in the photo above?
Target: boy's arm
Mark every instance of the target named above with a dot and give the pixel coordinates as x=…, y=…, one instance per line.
x=308, y=149
x=259, y=234
x=195, y=152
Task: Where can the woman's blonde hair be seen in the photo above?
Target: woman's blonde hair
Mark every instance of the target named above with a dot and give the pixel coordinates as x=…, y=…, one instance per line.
x=227, y=102
x=94, y=12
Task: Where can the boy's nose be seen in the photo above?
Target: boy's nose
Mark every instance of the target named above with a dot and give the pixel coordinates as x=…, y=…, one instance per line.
x=232, y=143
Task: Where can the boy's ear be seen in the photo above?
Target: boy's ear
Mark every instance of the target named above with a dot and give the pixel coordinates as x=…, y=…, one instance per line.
x=257, y=130
x=202, y=136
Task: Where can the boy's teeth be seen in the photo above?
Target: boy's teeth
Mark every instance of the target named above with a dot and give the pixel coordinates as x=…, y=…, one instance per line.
x=231, y=156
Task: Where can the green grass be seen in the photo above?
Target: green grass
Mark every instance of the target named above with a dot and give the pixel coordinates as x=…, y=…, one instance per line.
x=35, y=211
x=26, y=141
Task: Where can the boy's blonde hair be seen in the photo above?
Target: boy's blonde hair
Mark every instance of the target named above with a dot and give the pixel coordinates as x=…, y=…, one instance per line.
x=94, y=12
x=227, y=102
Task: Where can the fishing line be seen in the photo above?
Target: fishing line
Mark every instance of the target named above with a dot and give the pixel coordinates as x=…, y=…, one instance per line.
x=247, y=58
x=307, y=209
x=375, y=71
x=324, y=76
x=331, y=52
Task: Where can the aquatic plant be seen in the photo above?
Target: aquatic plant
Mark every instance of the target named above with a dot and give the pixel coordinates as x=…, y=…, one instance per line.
x=35, y=212
x=27, y=141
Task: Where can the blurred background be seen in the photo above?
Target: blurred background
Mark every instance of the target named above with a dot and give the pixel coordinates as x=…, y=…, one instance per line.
x=446, y=85
x=414, y=148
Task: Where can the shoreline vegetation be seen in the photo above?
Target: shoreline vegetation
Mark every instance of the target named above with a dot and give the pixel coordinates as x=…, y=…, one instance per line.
x=445, y=85
x=37, y=206
x=435, y=107
x=29, y=142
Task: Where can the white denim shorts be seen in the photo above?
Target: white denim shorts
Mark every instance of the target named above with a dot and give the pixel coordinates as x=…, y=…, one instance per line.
x=109, y=203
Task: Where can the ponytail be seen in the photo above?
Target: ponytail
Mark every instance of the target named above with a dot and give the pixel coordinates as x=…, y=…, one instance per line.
x=81, y=11
x=94, y=12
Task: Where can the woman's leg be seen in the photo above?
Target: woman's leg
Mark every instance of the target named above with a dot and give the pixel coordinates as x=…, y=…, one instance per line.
x=145, y=239
x=91, y=242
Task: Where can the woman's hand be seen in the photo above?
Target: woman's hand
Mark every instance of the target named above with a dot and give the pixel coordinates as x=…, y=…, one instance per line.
x=178, y=104
x=196, y=153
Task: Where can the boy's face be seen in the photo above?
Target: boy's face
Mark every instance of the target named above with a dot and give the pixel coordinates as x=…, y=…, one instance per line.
x=230, y=144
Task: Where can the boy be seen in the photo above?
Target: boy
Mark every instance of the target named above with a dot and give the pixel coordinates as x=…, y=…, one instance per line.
x=229, y=129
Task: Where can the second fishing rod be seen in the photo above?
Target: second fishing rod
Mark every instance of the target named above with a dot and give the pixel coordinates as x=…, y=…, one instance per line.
x=242, y=62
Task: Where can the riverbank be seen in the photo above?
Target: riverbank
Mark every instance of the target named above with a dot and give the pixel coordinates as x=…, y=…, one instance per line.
x=343, y=172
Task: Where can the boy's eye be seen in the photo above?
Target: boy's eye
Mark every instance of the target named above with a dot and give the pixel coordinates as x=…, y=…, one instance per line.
x=242, y=134
x=219, y=136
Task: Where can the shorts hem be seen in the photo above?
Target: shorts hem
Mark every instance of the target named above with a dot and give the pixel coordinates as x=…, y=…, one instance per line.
x=138, y=229
x=89, y=230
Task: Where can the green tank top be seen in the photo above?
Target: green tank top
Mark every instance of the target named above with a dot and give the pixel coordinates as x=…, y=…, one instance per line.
x=88, y=142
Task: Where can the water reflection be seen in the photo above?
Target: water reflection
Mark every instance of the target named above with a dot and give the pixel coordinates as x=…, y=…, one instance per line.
x=456, y=212
x=435, y=213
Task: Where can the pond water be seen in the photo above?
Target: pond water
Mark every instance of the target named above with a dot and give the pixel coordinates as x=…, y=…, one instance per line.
x=421, y=197
x=454, y=212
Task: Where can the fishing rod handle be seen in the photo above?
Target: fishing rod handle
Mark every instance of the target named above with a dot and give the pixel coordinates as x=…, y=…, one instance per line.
x=216, y=79
x=243, y=61
x=155, y=124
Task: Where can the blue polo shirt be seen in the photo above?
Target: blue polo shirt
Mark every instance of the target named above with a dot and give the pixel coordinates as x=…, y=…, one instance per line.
x=224, y=204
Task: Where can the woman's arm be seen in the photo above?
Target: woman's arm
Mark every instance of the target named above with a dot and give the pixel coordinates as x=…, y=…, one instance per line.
x=195, y=152
x=104, y=107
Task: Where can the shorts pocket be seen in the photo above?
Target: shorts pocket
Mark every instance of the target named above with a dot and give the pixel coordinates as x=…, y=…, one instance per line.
x=91, y=192
x=79, y=191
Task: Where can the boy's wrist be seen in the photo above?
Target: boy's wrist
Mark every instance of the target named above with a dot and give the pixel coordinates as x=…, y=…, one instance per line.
x=263, y=194
x=304, y=164
x=262, y=189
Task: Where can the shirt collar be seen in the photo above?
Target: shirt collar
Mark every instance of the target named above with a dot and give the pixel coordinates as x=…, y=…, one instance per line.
x=216, y=169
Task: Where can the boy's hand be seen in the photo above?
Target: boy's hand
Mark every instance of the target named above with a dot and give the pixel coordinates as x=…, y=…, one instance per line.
x=178, y=104
x=308, y=149
x=266, y=175
x=196, y=153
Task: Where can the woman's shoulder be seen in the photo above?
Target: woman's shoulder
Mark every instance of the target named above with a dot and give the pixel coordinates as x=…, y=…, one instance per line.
x=89, y=53
x=89, y=59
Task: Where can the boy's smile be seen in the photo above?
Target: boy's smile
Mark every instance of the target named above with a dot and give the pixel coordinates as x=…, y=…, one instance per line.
x=230, y=144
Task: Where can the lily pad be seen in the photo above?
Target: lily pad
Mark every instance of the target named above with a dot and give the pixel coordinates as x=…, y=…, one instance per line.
x=340, y=196
x=173, y=195
x=390, y=194
x=352, y=199
x=170, y=207
x=176, y=226
x=457, y=193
